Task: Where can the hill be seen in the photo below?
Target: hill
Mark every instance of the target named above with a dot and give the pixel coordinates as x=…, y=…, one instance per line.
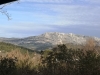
x=49, y=40
x=7, y=47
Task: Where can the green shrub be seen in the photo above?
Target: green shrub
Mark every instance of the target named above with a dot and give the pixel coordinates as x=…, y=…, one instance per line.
x=7, y=66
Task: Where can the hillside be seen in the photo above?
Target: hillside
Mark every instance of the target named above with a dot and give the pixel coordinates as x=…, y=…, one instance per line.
x=48, y=40
x=7, y=47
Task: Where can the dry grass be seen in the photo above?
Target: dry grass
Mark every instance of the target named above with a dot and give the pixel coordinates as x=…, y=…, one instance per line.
x=25, y=62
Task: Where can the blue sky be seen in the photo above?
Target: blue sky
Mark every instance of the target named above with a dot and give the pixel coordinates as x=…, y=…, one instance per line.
x=34, y=17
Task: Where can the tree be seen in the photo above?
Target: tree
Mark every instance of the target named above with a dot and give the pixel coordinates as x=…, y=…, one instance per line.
x=59, y=61
x=90, y=44
x=6, y=1
x=64, y=61
x=1, y=8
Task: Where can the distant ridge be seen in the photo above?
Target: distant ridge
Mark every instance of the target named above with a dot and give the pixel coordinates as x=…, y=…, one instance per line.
x=49, y=39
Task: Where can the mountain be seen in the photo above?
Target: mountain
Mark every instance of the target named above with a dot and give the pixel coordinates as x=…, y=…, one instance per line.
x=48, y=40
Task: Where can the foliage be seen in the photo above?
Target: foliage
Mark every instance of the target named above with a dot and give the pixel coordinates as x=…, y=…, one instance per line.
x=58, y=61
x=7, y=66
x=7, y=47
x=64, y=61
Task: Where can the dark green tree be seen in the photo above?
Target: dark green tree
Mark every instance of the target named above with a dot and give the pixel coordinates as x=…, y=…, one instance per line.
x=64, y=61
x=7, y=66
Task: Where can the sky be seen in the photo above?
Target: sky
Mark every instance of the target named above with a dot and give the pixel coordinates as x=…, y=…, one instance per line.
x=35, y=17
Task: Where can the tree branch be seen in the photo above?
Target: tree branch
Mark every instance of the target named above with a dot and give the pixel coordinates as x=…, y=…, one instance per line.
x=3, y=5
x=5, y=12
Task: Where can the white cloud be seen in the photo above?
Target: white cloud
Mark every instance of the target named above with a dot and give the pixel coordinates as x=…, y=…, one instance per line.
x=62, y=14
x=91, y=1
x=22, y=29
x=63, y=1
x=78, y=15
x=24, y=26
x=48, y=1
x=43, y=17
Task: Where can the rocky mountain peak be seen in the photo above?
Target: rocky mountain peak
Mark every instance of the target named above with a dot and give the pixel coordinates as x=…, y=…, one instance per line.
x=49, y=39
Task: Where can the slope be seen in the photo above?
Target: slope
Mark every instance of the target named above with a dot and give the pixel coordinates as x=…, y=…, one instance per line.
x=7, y=47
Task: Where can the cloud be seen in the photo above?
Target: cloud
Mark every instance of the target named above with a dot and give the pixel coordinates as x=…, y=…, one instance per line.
x=30, y=18
x=31, y=29
x=53, y=14
x=92, y=1
x=48, y=1
x=63, y=1
x=59, y=14
x=23, y=29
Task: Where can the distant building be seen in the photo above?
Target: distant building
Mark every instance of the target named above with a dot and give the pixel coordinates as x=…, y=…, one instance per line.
x=6, y=1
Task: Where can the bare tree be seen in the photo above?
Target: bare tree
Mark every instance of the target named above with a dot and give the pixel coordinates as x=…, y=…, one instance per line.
x=6, y=1
x=3, y=3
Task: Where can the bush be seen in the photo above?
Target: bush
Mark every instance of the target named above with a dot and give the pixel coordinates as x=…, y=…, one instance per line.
x=58, y=61
x=7, y=66
x=64, y=61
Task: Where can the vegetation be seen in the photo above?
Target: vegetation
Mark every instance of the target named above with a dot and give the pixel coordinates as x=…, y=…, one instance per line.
x=64, y=61
x=6, y=1
x=58, y=61
x=7, y=47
